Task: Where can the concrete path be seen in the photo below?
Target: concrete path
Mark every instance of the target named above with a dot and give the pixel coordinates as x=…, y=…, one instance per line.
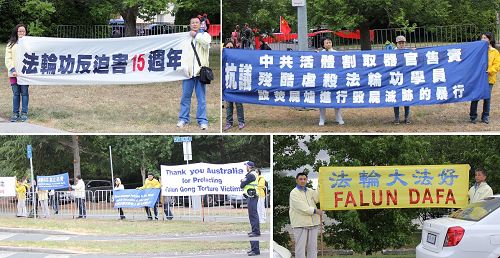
x=16, y=128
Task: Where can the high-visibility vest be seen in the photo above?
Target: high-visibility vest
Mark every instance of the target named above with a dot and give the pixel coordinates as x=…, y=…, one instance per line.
x=252, y=185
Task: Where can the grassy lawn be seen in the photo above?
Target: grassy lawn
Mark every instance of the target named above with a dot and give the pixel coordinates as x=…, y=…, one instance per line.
x=147, y=108
x=140, y=247
x=374, y=256
x=114, y=227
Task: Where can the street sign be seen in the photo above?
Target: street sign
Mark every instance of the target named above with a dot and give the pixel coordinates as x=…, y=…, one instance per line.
x=183, y=139
x=188, y=153
x=29, y=152
x=298, y=2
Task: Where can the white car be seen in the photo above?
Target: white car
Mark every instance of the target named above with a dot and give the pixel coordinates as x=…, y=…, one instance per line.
x=472, y=232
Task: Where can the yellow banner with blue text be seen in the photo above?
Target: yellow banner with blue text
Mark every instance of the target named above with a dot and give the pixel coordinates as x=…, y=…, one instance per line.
x=382, y=187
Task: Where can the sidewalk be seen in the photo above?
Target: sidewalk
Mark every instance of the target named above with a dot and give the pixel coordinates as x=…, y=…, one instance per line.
x=15, y=128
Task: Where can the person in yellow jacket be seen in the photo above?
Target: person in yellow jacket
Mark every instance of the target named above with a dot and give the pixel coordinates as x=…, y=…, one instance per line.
x=21, y=187
x=480, y=189
x=43, y=200
x=261, y=193
x=493, y=68
x=20, y=92
x=304, y=218
x=149, y=183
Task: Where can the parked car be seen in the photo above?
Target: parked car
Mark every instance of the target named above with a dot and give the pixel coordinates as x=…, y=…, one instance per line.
x=470, y=232
x=238, y=200
x=209, y=200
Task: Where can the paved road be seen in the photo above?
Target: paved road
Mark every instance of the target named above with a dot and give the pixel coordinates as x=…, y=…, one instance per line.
x=227, y=236
x=19, y=254
x=18, y=127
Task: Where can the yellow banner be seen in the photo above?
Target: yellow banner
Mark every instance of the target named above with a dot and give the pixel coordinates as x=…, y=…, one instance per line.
x=420, y=186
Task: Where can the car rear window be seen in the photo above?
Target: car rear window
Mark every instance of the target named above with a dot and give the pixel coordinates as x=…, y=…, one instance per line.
x=477, y=211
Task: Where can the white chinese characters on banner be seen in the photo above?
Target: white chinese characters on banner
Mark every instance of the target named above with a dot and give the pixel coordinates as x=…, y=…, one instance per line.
x=131, y=60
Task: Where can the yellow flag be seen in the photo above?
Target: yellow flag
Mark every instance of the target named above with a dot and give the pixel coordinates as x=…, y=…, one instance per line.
x=382, y=187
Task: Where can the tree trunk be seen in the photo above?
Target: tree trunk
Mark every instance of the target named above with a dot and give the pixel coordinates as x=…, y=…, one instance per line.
x=365, y=36
x=130, y=17
x=143, y=168
x=76, y=156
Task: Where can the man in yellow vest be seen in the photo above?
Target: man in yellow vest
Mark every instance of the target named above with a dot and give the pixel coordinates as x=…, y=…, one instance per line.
x=480, y=189
x=151, y=182
x=249, y=185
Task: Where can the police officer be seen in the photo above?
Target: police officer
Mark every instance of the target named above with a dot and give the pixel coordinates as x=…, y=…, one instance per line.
x=249, y=185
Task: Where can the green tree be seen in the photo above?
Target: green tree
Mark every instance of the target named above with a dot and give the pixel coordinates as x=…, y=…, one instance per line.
x=186, y=9
x=131, y=9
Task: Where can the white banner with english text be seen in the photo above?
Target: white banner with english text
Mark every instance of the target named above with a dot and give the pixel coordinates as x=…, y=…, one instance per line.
x=7, y=186
x=202, y=178
x=131, y=60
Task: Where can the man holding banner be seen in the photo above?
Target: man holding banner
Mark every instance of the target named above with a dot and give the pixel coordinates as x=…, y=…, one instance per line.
x=198, y=57
x=304, y=218
x=150, y=183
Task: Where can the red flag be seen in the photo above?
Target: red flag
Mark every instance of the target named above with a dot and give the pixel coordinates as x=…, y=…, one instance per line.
x=284, y=27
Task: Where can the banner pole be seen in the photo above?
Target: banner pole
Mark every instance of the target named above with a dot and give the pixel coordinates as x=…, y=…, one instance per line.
x=111, y=165
x=33, y=194
x=321, y=233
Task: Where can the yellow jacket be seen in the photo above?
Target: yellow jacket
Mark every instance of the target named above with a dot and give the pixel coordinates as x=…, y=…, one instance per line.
x=21, y=191
x=302, y=207
x=493, y=65
x=483, y=191
x=261, y=187
x=10, y=58
x=202, y=44
x=150, y=184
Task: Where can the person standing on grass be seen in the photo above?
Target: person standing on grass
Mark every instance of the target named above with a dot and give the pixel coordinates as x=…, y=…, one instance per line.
x=230, y=106
x=119, y=186
x=54, y=201
x=493, y=68
x=328, y=46
x=149, y=183
x=200, y=40
x=261, y=193
x=401, y=44
x=21, y=188
x=43, y=200
x=20, y=92
x=79, y=188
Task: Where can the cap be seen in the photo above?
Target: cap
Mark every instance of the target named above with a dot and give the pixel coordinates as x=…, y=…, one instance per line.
x=250, y=164
x=400, y=38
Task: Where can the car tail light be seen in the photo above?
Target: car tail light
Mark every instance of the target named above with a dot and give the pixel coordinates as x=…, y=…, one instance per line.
x=453, y=236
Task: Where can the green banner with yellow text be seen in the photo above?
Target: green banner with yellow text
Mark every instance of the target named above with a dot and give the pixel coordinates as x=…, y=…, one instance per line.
x=381, y=187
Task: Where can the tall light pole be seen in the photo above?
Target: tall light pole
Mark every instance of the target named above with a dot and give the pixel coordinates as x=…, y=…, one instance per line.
x=302, y=23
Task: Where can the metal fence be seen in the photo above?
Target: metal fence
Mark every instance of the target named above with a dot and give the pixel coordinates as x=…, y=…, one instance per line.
x=416, y=37
x=109, y=31
x=99, y=204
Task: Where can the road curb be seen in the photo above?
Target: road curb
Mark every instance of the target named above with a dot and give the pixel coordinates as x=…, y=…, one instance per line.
x=38, y=231
x=37, y=250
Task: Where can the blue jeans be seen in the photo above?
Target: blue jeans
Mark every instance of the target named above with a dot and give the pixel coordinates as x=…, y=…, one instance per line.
x=407, y=112
x=239, y=112
x=20, y=94
x=486, y=108
x=187, y=91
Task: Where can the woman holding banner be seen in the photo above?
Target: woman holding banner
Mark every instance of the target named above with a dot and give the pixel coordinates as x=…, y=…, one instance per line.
x=43, y=200
x=493, y=68
x=328, y=46
x=20, y=92
x=119, y=186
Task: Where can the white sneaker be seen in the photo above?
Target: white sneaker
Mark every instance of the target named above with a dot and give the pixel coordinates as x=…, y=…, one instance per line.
x=181, y=123
x=204, y=126
x=321, y=122
x=341, y=122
